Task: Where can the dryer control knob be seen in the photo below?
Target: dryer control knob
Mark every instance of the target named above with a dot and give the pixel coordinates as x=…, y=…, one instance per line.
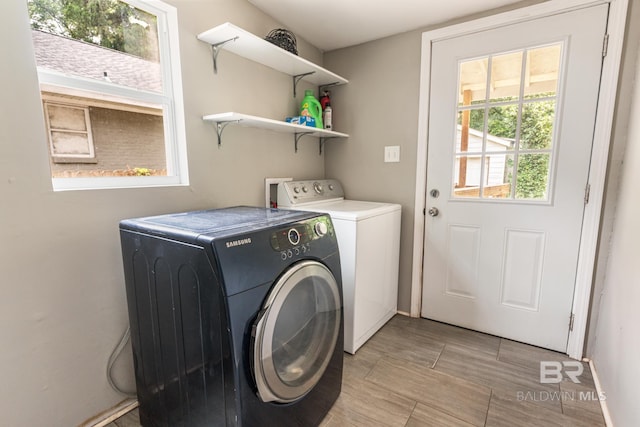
x=320, y=228
x=296, y=190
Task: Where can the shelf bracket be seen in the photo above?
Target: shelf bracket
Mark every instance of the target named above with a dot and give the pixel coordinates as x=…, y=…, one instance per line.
x=322, y=140
x=215, y=50
x=328, y=85
x=220, y=126
x=296, y=138
x=297, y=78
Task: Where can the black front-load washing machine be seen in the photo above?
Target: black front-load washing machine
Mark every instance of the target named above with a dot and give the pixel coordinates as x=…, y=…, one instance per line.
x=235, y=315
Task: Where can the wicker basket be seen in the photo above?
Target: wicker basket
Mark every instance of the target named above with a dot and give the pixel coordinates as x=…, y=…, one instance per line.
x=283, y=39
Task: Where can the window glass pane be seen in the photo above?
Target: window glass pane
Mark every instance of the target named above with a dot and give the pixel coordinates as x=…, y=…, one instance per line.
x=502, y=127
x=108, y=40
x=127, y=143
x=473, y=81
x=542, y=69
x=70, y=144
x=505, y=77
x=66, y=118
x=469, y=131
x=533, y=176
x=537, y=125
x=498, y=176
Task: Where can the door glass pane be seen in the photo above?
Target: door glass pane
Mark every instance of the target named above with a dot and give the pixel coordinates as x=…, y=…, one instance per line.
x=502, y=127
x=537, y=125
x=505, y=77
x=531, y=182
x=467, y=176
x=498, y=176
x=469, y=131
x=542, y=70
x=494, y=134
x=473, y=81
x=304, y=331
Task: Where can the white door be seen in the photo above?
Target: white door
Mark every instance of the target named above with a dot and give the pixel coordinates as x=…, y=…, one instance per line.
x=511, y=121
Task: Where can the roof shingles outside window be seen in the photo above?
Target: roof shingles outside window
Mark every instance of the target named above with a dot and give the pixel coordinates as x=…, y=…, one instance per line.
x=87, y=60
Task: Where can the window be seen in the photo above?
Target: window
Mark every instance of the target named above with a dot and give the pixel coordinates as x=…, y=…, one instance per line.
x=505, y=124
x=69, y=133
x=109, y=77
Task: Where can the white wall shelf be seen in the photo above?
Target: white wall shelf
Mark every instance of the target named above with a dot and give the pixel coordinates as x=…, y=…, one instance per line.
x=241, y=42
x=222, y=120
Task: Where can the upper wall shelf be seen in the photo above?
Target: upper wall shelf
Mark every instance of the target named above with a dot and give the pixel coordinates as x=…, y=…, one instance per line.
x=234, y=39
x=223, y=119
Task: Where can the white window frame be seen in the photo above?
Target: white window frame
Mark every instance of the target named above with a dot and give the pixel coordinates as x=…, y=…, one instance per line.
x=171, y=100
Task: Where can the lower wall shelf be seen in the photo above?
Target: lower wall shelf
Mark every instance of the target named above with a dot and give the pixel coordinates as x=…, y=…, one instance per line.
x=222, y=120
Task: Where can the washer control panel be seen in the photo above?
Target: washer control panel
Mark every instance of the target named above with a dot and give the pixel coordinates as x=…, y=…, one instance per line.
x=292, y=193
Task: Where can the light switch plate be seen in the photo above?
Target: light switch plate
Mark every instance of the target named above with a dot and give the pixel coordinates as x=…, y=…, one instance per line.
x=392, y=154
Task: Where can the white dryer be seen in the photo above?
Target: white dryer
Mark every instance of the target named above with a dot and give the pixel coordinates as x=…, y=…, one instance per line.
x=369, y=242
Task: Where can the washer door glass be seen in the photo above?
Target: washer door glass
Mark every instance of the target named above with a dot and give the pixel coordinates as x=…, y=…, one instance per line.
x=296, y=332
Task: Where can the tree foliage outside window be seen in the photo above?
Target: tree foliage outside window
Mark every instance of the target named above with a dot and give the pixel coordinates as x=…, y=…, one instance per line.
x=535, y=134
x=108, y=23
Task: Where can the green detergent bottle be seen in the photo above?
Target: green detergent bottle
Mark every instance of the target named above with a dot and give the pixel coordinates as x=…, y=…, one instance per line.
x=310, y=106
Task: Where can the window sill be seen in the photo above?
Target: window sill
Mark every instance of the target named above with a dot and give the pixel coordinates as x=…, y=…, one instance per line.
x=68, y=160
x=68, y=184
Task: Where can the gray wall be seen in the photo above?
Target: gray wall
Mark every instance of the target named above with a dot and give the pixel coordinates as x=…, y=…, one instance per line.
x=614, y=342
x=617, y=155
x=63, y=304
x=379, y=107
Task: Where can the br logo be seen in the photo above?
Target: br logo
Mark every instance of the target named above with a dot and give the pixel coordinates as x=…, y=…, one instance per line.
x=552, y=372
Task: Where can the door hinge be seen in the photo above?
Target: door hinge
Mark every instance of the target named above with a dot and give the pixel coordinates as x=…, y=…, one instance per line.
x=605, y=45
x=572, y=317
x=587, y=191
x=424, y=211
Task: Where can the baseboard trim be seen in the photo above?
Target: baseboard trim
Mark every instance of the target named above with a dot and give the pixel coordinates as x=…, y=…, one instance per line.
x=603, y=402
x=112, y=414
x=404, y=313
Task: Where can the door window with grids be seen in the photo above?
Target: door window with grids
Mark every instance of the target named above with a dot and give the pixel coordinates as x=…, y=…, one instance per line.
x=505, y=124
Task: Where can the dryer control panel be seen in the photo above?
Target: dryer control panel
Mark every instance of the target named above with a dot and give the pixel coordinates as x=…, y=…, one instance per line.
x=296, y=239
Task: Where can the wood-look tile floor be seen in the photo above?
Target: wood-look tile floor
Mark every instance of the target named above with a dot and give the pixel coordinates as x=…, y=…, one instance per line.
x=417, y=372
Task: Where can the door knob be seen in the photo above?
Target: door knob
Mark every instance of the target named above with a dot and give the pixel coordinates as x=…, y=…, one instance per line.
x=433, y=211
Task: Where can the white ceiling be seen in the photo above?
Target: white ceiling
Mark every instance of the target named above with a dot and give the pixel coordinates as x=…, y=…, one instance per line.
x=333, y=24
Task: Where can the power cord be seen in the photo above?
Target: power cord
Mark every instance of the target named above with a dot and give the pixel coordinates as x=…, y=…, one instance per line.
x=112, y=360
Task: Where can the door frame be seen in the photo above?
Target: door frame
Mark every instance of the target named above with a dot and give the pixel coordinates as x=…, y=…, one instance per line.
x=599, y=151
